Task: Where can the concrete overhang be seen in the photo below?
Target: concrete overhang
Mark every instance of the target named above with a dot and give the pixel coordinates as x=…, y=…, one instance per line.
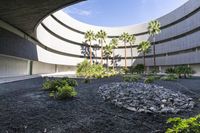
x=25, y=15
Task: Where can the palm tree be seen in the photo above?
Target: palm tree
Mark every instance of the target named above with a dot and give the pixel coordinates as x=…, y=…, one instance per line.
x=154, y=29
x=89, y=37
x=114, y=43
x=125, y=38
x=132, y=40
x=101, y=36
x=145, y=48
x=107, y=52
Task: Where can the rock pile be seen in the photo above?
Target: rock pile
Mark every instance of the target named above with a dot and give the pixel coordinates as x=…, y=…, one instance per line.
x=148, y=98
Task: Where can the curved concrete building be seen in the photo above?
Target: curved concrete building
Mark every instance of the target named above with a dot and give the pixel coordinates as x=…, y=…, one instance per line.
x=57, y=43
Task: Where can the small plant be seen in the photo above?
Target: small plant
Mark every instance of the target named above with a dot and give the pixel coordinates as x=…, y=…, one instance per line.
x=87, y=70
x=61, y=88
x=46, y=85
x=131, y=78
x=64, y=92
x=86, y=80
x=184, y=71
x=149, y=79
x=139, y=68
x=170, y=77
x=170, y=70
x=70, y=82
x=51, y=85
x=179, y=125
x=125, y=70
x=155, y=71
x=51, y=94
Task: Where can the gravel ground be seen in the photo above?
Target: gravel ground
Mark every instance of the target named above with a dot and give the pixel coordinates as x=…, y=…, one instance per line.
x=26, y=108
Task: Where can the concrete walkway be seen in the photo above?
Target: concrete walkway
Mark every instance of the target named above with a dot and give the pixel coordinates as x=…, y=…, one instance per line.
x=19, y=78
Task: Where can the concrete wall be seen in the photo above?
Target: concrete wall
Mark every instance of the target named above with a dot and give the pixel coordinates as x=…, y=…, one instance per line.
x=42, y=68
x=12, y=66
x=179, y=36
x=61, y=48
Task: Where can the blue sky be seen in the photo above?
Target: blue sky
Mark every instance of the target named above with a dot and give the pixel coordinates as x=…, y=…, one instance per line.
x=121, y=12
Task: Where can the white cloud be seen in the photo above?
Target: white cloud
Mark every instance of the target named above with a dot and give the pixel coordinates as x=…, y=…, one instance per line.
x=77, y=11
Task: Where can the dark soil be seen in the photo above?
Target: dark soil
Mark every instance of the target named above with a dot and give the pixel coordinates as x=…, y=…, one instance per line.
x=26, y=108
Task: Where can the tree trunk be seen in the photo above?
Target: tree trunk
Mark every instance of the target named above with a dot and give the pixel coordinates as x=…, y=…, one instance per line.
x=90, y=53
x=125, y=55
x=154, y=53
x=96, y=54
x=101, y=53
x=107, y=62
x=113, y=59
x=131, y=55
x=144, y=61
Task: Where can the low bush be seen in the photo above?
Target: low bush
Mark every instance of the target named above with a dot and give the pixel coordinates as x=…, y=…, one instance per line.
x=179, y=125
x=125, y=70
x=51, y=85
x=64, y=92
x=139, y=69
x=47, y=85
x=87, y=80
x=170, y=77
x=149, y=79
x=184, y=71
x=131, y=78
x=70, y=82
x=86, y=70
x=61, y=88
x=170, y=70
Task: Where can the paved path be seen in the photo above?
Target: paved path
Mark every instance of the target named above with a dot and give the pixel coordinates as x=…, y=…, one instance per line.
x=20, y=78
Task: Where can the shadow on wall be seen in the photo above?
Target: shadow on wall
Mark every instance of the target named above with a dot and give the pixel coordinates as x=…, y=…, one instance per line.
x=14, y=45
x=117, y=60
x=85, y=51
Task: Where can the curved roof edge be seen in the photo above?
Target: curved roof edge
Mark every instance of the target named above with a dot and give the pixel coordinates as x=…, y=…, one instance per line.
x=132, y=29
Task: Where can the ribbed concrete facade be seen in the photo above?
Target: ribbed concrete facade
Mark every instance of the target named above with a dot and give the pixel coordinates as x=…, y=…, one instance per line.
x=61, y=40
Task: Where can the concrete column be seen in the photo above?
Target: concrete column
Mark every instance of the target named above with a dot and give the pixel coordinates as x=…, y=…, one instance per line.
x=56, y=68
x=160, y=69
x=148, y=69
x=29, y=67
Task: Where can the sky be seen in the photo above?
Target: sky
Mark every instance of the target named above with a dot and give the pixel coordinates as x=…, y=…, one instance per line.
x=112, y=13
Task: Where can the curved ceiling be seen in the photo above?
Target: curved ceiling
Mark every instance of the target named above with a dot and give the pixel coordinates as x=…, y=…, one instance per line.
x=114, y=13
x=26, y=14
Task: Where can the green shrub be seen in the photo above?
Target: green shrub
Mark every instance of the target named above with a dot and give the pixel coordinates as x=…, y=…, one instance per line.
x=86, y=70
x=82, y=68
x=184, y=71
x=131, y=78
x=155, y=70
x=170, y=70
x=70, y=82
x=61, y=88
x=51, y=85
x=179, y=125
x=64, y=92
x=149, y=79
x=125, y=70
x=139, y=68
x=86, y=81
x=46, y=85
x=170, y=77
x=51, y=94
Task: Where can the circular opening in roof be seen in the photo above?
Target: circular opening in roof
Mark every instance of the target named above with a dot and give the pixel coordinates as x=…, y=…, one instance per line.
x=112, y=13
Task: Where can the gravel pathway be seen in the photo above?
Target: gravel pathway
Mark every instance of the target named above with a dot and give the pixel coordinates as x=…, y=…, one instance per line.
x=25, y=108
